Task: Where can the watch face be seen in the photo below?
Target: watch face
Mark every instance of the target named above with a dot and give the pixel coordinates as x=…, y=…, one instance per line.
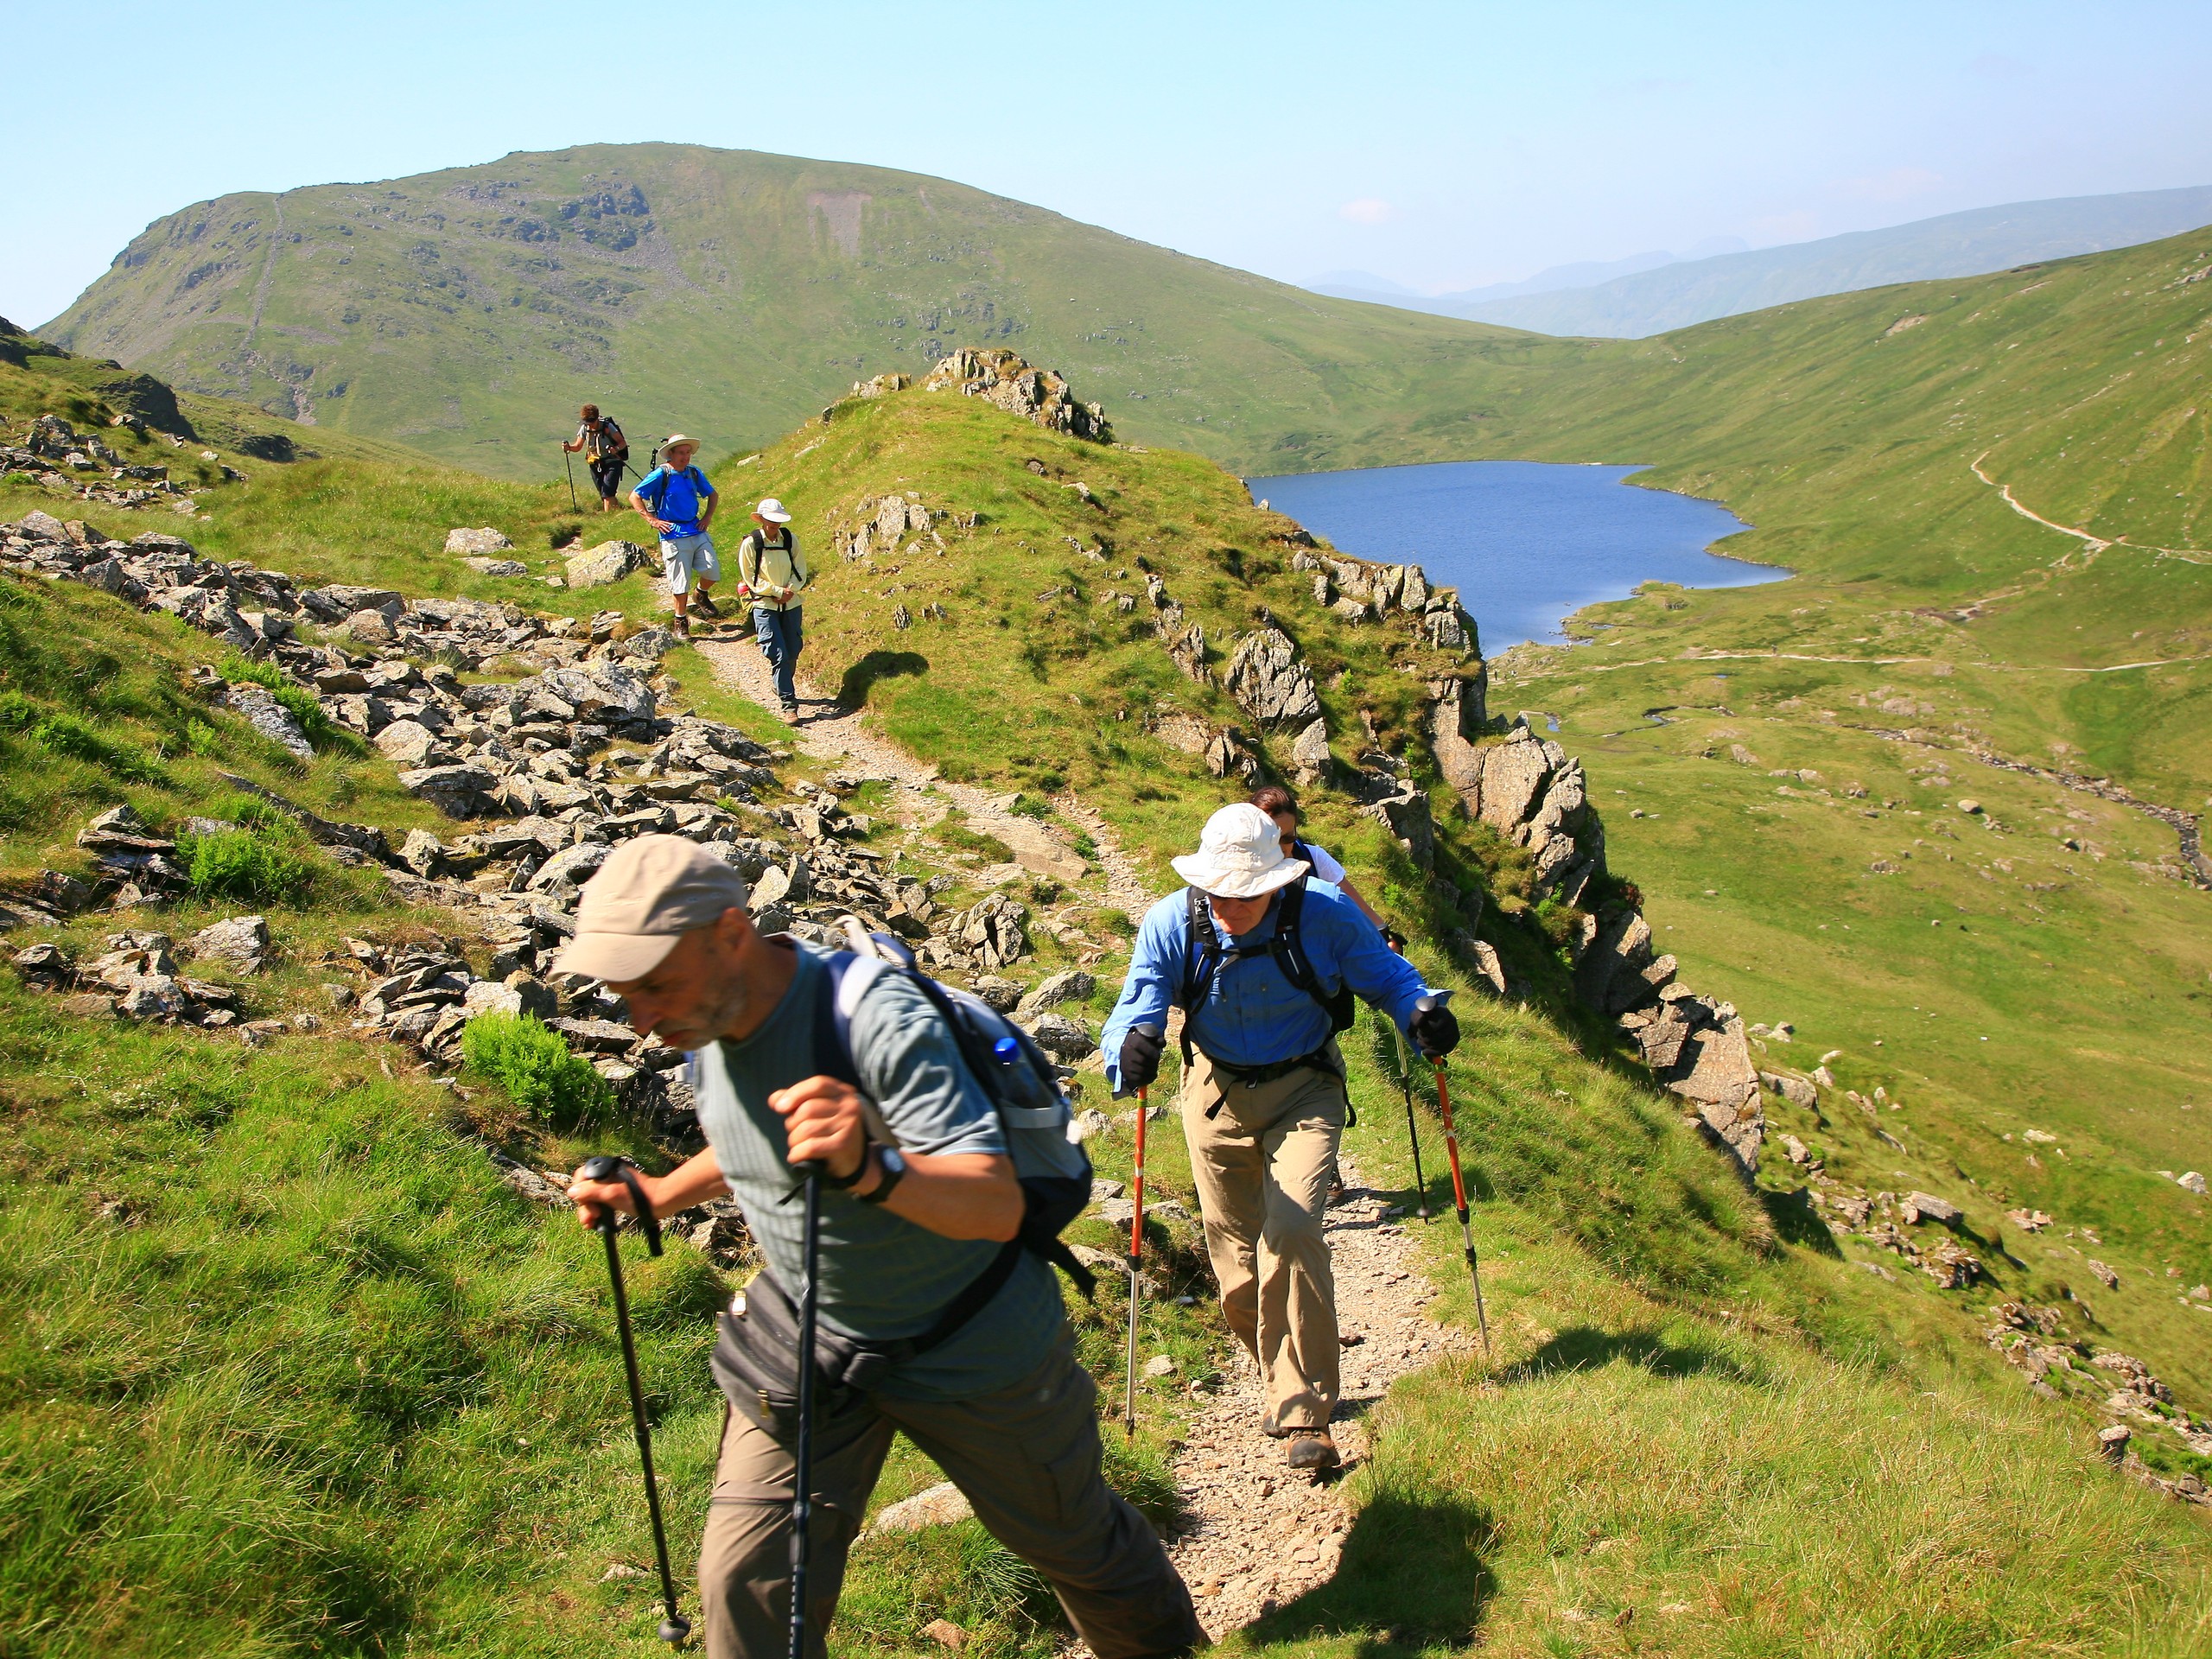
x=892, y=1161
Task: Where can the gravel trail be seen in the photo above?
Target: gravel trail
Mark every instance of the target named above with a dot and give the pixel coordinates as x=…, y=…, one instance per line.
x=1258, y=1535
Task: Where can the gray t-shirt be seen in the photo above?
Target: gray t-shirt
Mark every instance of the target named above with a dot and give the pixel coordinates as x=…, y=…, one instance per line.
x=882, y=1276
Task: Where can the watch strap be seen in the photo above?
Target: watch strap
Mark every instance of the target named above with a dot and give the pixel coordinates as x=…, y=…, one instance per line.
x=891, y=1175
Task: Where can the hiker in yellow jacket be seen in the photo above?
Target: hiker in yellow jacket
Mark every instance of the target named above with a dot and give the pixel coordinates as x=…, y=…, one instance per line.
x=772, y=572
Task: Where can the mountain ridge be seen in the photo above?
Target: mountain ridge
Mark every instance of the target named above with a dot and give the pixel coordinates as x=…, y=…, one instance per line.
x=467, y=311
x=1669, y=293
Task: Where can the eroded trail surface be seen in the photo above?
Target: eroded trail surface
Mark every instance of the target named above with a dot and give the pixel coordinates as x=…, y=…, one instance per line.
x=1258, y=1535
x=1262, y=1535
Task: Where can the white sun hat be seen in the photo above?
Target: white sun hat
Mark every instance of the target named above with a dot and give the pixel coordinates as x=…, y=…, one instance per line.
x=1240, y=855
x=773, y=510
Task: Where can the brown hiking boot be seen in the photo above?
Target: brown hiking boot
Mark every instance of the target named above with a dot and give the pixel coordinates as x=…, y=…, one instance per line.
x=681, y=628
x=1313, y=1451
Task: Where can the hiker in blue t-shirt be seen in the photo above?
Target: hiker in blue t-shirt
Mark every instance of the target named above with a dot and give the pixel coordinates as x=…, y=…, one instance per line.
x=679, y=503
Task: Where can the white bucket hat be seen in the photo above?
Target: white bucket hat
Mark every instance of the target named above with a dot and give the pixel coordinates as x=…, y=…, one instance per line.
x=1239, y=856
x=773, y=510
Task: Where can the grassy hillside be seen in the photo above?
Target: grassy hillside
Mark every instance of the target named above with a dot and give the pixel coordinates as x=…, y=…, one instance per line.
x=417, y=1443
x=729, y=293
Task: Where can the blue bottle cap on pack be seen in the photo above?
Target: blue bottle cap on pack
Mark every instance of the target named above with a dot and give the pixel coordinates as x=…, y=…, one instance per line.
x=1006, y=1051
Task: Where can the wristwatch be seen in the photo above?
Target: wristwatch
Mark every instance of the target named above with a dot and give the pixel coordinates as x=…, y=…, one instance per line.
x=894, y=1170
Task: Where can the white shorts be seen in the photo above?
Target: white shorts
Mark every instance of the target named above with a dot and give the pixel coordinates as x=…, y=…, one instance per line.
x=689, y=560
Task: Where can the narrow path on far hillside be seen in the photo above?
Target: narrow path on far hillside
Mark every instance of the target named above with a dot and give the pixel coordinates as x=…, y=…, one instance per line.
x=2094, y=544
x=1258, y=1535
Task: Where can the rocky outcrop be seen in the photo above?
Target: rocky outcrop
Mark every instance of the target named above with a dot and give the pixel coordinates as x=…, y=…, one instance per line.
x=486, y=540
x=1002, y=377
x=1271, y=682
x=1531, y=791
x=884, y=523
x=1696, y=1048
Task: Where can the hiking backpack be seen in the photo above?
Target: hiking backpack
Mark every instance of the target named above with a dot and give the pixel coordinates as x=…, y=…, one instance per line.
x=1204, y=956
x=655, y=501
x=1019, y=1081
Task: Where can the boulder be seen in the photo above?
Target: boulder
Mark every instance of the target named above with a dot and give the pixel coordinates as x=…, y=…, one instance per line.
x=1610, y=966
x=1796, y=1091
x=120, y=830
x=1406, y=815
x=1072, y=986
x=569, y=868
x=994, y=929
x=1037, y=849
x=484, y=567
x=1923, y=1206
x=1514, y=776
x=241, y=942
x=1066, y=1041
x=607, y=562
x=486, y=540
x=940, y=1506
x=423, y=853
x=1309, y=755
x=459, y=792
x=269, y=717
x=1268, y=678
x=405, y=742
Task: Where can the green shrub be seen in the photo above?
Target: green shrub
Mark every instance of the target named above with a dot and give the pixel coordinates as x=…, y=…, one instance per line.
x=258, y=866
x=535, y=1067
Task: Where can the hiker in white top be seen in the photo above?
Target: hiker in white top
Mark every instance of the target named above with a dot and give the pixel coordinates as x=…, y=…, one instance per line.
x=772, y=572
x=1282, y=806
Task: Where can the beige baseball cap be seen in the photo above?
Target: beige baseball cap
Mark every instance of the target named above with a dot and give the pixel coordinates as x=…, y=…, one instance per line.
x=650, y=892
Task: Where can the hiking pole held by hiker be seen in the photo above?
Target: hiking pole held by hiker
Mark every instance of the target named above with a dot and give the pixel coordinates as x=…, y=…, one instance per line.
x=803, y=1453
x=675, y=1629
x=1156, y=1036
x=568, y=460
x=1396, y=941
x=1459, y=1180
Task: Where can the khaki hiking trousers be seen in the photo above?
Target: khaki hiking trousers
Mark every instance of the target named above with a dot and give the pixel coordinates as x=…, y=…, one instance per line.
x=1262, y=1164
x=1028, y=1459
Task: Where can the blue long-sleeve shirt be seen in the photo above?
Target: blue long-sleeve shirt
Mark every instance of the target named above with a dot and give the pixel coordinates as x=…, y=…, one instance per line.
x=1252, y=1015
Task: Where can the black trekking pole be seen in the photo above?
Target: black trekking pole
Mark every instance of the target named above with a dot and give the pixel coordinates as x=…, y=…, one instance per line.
x=568, y=460
x=675, y=1629
x=803, y=1470
x=1458, y=1186
x=1406, y=1088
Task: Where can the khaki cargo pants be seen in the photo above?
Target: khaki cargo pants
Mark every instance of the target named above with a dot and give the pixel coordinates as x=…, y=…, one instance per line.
x=1262, y=1164
x=1028, y=1459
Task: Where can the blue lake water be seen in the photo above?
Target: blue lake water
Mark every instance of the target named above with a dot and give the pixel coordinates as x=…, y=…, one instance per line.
x=1526, y=543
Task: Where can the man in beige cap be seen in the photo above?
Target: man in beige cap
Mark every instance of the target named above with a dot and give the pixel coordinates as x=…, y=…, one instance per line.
x=1264, y=963
x=679, y=503
x=923, y=1199
x=772, y=572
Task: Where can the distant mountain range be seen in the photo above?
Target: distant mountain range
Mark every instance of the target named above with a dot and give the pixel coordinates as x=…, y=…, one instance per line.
x=1650, y=293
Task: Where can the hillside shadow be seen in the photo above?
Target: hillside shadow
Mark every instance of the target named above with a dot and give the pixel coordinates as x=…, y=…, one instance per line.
x=853, y=689
x=1583, y=1348
x=1796, y=1222
x=1415, y=1574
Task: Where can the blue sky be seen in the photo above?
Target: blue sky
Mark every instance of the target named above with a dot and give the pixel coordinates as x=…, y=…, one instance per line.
x=1441, y=146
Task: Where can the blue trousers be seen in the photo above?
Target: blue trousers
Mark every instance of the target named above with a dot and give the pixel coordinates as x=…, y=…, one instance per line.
x=782, y=638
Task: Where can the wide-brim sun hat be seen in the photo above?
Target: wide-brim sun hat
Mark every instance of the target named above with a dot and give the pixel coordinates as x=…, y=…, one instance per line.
x=650, y=891
x=773, y=510
x=1240, y=855
x=677, y=441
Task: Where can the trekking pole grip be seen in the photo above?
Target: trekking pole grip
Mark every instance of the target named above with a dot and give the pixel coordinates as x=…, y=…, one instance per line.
x=622, y=1170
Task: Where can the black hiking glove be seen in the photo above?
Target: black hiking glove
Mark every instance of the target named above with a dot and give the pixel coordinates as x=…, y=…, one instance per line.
x=1140, y=1053
x=1434, y=1031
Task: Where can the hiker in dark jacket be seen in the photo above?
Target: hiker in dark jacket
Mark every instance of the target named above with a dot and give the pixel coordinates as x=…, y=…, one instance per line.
x=1263, y=1100
x=924, y=1195
x=605, y=451
x=676, y=499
